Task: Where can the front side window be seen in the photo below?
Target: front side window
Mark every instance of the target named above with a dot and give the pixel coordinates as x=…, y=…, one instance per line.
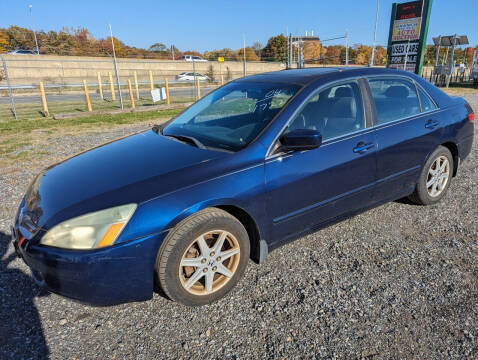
x=232, y=116
x=334, y=112
x=394, y=99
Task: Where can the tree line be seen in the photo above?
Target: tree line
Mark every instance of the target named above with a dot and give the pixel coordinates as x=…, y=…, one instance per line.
x=80, y=42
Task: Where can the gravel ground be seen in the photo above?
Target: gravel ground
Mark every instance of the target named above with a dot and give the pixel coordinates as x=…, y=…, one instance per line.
x=397, y=282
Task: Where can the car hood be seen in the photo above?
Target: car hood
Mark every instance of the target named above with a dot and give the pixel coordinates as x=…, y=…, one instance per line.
x=129, y=170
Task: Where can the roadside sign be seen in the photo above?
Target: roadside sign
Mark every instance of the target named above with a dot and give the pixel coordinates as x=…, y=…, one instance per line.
x=408, y=34
x=158, y=94
x=220, y=59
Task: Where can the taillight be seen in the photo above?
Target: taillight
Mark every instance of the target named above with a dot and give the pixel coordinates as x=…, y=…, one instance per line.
x=471, y=114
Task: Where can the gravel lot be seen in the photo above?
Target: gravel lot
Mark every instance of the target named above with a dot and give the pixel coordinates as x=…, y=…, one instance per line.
x=399, y=281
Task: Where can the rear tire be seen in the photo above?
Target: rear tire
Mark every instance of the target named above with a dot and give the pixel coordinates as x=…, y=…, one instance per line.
x=435, y=178
x=203, y=257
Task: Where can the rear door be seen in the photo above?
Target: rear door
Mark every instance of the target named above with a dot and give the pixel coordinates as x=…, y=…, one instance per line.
x=407, y=129
x=308, y=188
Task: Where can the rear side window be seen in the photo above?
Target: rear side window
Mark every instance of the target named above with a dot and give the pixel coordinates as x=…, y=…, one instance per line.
x=427, y=103
x=394, y=99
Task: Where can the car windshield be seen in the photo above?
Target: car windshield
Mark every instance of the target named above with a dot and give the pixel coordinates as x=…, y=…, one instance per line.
x=232, y=116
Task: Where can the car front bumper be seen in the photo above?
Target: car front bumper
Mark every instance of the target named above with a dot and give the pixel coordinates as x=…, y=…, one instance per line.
x=108, y=276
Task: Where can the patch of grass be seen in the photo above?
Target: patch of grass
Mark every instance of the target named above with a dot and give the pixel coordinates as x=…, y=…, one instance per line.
x=25, y=126
x=33, y=111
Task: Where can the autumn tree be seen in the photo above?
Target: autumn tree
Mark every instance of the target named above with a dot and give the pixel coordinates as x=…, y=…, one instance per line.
x=363, y=54
x=4, y=43
x=311, y=51
x=226, y=53
x=332, y=55
x=275, y=50
x=380, y=56
x=469, y=55
x=250, y=55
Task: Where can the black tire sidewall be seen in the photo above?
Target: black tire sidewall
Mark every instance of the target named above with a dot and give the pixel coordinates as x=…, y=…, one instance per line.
x=171, y=282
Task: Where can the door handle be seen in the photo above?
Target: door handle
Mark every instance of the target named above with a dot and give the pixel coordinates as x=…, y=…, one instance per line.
x=362, y=147
x=431, y=124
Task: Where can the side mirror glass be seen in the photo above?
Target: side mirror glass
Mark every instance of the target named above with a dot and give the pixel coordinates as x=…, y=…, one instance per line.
x=301, y=139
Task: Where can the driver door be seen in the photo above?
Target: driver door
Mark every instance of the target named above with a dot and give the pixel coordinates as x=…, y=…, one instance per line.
x=308, y=188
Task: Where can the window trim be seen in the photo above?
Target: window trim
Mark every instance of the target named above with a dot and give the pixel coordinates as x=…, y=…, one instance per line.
x=368, y=125
x=375, y=123
x=419, y=87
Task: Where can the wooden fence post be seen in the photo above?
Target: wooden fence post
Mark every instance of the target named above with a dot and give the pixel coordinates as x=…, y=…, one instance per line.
x=136, y=85
x=131, y=97
x=198, y=89
x=43, y=101
x=87, y=96
x=100, y=86
x=151, y=79
x=112, y=87
x=166, y=85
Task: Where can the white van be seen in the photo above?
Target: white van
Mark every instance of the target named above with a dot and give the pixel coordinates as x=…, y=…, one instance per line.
x=192, y=58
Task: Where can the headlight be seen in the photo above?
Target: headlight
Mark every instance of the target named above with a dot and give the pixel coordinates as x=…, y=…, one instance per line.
x=94, y=230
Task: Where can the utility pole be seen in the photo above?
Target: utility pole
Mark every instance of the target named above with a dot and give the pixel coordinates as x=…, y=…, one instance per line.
x=374, y=35
x=346, y=48
x=116, y=68
x=172, y=51
x=244, y=51
x=33, y=29
x=195, y=82
x=451, y=64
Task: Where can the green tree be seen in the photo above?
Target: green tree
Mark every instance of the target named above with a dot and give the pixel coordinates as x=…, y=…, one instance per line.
x=275, y=50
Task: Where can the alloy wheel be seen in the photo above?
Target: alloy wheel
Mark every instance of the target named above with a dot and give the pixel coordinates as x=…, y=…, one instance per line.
x=209, y=262
x=438, y=176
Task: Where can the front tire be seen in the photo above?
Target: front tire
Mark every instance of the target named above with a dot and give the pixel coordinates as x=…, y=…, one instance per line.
x=203, y=257
x=435, y=178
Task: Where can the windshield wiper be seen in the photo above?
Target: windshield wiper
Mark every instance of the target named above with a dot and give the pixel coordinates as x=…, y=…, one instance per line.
x=188, y=140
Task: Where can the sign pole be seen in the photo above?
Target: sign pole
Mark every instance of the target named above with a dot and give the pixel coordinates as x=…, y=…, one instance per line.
x=427, y=9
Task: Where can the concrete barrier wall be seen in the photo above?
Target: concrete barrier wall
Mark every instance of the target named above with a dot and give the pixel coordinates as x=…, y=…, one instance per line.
x=31, y=69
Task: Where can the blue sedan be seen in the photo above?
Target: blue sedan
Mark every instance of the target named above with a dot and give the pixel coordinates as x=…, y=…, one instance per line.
x=257, y=163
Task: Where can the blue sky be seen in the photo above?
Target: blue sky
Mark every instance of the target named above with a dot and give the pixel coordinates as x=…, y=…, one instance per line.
x=213, y=24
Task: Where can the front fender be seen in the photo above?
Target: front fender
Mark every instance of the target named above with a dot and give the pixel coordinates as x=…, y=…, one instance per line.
x=243, y=189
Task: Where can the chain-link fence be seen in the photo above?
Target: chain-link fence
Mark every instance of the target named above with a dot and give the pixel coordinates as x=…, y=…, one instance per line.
x=55, y=85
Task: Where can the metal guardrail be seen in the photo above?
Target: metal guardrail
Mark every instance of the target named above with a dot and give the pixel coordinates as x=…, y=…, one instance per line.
x=80, y=85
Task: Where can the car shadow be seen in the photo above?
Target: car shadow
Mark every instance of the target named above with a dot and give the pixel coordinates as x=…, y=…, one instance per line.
x=406, y=201
x=21, y=334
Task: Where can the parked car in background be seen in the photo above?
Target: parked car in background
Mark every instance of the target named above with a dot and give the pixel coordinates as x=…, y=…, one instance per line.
x=189, y=76
x=253, y=165
x=22, y=52
x=192, y=58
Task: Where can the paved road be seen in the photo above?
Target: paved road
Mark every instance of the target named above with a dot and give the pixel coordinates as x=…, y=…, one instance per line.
x=174, y=92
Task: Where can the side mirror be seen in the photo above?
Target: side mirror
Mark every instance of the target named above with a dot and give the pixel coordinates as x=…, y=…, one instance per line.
x=301, y=139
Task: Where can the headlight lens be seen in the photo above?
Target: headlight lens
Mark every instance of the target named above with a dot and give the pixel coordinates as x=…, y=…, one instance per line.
x=94, y=230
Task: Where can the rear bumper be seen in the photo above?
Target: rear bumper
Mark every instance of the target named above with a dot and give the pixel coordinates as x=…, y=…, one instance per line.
x=121, y=273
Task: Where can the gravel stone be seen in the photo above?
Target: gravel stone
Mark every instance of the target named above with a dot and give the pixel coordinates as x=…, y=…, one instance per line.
x=398, y=281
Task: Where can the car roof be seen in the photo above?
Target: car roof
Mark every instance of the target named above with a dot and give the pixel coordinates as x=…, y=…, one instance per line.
x=305, y=76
